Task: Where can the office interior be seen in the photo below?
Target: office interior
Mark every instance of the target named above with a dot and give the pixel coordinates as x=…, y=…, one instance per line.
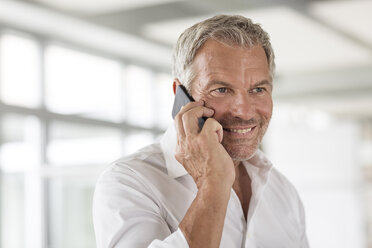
x=83, y=83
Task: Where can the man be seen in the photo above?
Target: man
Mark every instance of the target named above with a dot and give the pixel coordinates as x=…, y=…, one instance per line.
x=211, y=187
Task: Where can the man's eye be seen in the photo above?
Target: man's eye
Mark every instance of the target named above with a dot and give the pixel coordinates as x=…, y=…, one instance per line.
x=258, y=90
x=221, y=90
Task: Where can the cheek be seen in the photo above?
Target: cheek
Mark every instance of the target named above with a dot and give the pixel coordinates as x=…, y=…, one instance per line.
x=265, y=108
x=220, y=106
x=261, y=107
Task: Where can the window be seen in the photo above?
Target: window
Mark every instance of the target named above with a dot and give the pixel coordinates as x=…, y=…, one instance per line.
x=82, y=84
x=20, y=148
x=74, y=144
x=20, y=182
x=64, y=115
x=70, y=212
x=139, y=91
x=20, y=71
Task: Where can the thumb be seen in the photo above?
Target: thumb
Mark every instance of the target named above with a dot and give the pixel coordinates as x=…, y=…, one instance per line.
x=220, y=135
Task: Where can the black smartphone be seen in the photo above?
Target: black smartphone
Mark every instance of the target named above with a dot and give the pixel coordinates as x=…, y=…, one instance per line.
x=181, y=99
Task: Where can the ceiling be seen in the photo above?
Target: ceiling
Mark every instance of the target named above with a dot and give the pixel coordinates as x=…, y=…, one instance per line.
x=323, y=48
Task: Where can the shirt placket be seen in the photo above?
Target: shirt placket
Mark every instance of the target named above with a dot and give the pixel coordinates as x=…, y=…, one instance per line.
x=258, y=183
x=238, y=214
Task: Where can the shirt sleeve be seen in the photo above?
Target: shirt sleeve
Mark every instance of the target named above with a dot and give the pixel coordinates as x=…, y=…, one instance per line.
x=125, y=214
x=304, y=240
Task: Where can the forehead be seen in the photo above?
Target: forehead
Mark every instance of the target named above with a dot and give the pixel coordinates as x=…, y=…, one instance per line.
x=218, y=59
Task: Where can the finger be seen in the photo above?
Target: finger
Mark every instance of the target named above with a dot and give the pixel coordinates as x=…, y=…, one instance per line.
x=220, y=135
x=191, y=117
x=189, y=106
x=179, y=126
x=213, y=128
x=178, y=118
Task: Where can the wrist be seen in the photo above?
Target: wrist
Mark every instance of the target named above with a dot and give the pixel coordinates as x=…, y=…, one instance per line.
x=213, y=184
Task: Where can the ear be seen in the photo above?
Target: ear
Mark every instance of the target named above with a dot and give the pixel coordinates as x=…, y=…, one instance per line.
x=176, y=83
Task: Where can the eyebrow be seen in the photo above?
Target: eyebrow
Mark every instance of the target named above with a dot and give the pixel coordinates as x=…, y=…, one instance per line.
x=260, y=83
x=213, y=82
x=263, y=82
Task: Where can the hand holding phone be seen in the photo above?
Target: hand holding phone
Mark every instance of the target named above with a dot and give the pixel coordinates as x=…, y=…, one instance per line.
x=200, y=151
x=181, y=99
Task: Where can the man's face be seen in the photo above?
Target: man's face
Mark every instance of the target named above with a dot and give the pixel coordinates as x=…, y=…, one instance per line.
x=236, y=83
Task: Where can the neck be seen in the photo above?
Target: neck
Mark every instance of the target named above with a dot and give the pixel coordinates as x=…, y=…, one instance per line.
x=239, y=170
x=237, y=163
x=242, y=186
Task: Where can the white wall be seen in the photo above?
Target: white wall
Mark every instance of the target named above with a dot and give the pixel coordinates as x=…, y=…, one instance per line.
x=318, y=154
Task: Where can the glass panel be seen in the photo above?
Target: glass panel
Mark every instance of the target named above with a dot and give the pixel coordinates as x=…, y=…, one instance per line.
x=164, y=100
x=20, y=210
x=82, y=84
x=12, y=211
x=70, y=208
x=74, y=144
x=20, y=148
x=135, y=141
x=139, y=95
x=20, y=71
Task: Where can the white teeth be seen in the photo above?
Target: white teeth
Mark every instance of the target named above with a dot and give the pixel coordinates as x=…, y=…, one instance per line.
x=240, y=130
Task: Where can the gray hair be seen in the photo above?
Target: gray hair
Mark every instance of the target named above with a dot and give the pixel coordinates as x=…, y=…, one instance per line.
x=233, y=30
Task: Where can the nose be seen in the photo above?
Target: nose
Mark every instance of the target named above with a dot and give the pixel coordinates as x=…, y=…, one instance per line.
x=243, y=106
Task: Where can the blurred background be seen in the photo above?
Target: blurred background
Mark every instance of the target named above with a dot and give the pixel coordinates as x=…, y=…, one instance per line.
x=85, y=82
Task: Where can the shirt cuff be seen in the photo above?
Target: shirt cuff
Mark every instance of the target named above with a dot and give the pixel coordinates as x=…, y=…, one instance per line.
x=176, y=239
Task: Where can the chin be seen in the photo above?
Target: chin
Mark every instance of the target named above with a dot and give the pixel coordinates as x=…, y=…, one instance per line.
x=243, y=149
x=239, y=153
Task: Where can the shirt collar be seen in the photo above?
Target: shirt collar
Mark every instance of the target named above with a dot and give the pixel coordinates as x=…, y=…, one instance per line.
x=258, y=168
x=258, y=165
x=168, y=145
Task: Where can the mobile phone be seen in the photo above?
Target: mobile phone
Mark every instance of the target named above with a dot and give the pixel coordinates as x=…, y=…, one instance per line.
x=181, y=99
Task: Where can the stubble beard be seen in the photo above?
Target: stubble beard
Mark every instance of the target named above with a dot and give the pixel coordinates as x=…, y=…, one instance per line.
x=244, y=148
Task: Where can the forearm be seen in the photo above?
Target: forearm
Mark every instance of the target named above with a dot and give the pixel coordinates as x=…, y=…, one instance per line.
x=211, y=167
x=204, y=220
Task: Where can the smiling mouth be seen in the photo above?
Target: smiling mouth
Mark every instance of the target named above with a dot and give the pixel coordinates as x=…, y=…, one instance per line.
x=240, y=130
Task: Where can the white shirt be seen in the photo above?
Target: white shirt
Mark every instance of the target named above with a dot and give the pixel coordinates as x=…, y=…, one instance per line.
x=140, y=200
